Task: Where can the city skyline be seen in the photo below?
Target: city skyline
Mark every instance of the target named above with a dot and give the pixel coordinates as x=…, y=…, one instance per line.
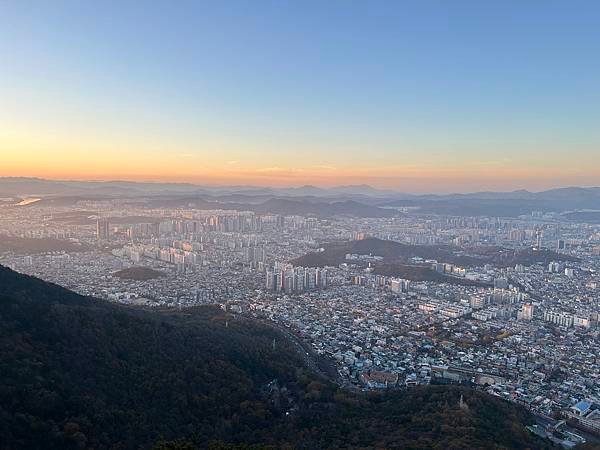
x=421, y=97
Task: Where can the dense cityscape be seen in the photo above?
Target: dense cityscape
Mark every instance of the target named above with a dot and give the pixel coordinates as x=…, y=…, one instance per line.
x=410, y=300
x=299, y=225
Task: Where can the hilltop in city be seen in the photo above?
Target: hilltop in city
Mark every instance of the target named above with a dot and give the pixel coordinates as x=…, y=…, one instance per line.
x=77, y=372
x=138, y=273
x=398, y=259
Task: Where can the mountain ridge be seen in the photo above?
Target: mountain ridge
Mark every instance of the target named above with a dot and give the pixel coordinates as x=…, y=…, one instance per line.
x=362, y=189
x=370, y=201
x=77, y=372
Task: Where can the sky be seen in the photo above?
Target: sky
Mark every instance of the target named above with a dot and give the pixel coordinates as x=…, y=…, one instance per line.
x=417, y=96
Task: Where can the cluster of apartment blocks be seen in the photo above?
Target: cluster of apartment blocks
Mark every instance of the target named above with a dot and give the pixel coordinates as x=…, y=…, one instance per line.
x=526, y=312
x=449, y=269
x=569, y=320
x=246, y=222
x=500, y=295
x=183, y=255
x=187, y=255
x=499, y=302
x=236, y=223
x=554, y=267
x=289, y=279
x=395, y=285
x=450, y=310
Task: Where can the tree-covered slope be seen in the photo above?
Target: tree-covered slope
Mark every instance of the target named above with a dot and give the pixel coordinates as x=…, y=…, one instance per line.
x=82, y=373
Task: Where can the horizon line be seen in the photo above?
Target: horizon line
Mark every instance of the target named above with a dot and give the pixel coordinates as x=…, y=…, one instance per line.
x=275, y=187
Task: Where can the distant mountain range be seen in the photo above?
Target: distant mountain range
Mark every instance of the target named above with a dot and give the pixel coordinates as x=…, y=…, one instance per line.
x=79, y=373
x=507, y=204
x=357, y=200
x=24, y=186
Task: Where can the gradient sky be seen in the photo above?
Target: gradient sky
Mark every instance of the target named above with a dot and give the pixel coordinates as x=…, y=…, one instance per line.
x=420, y=96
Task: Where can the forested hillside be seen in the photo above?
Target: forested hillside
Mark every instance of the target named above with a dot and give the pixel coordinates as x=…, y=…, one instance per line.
x=82, y=373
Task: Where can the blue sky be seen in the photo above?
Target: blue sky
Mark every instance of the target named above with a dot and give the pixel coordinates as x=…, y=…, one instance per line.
x=397, y=94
